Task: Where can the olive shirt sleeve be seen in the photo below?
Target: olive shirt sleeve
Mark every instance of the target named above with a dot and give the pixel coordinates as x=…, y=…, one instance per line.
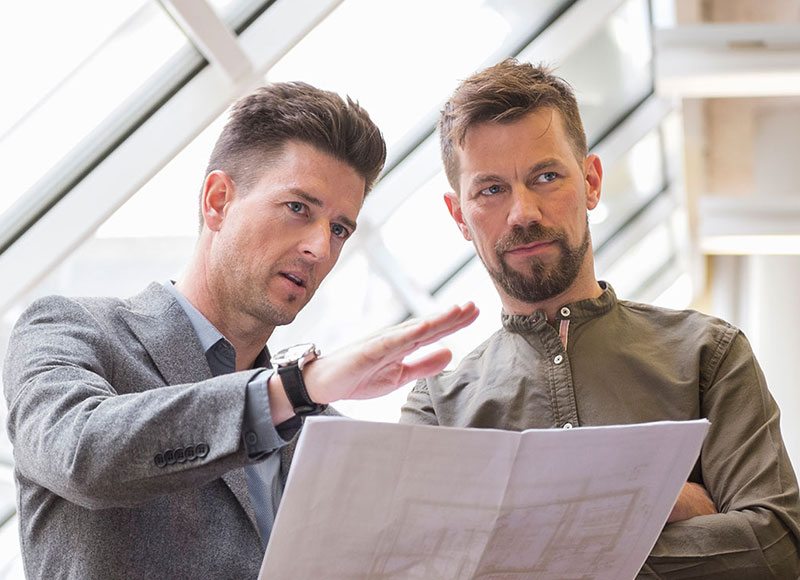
x=77, y=434
x=418, y=408
x=749, y=476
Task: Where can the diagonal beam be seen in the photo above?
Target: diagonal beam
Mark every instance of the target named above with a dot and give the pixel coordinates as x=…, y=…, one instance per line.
x=210, y=35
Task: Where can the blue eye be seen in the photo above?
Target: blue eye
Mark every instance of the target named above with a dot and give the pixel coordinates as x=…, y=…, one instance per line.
x=549, y=176
x=296, y=206
x=491, y=190
x=339, y=231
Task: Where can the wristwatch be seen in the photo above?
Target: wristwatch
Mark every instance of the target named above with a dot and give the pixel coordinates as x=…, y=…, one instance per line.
x=289, y=364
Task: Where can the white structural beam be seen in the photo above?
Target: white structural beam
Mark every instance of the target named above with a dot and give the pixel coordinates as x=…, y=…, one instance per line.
x=750, y=225
x=123, y=172
x=732, y=60
x=210, y=35
x=572, y=29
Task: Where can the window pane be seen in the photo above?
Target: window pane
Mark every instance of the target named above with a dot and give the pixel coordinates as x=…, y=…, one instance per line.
x=424, y=238
x=363, y=49
x=174, y=191
x=43, y=52
x=627, y=186
x=612, y=72
x=99, y=69
x=642, y=261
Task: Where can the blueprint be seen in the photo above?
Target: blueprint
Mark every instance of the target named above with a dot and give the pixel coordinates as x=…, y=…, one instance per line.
x=387, y=501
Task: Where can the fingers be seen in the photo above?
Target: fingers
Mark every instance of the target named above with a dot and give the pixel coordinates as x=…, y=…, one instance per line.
x=466, y=318
x=428, y=365
x=409, y=336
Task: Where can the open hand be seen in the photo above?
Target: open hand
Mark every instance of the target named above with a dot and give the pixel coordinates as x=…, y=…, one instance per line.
x=375, y=366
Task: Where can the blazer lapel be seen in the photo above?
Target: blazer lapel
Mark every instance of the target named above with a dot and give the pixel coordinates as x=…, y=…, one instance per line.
x=162, y=327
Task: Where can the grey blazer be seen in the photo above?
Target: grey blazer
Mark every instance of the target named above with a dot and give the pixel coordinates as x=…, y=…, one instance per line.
x=128, y=454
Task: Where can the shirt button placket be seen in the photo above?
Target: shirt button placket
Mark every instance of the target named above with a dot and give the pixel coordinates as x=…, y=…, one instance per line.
x=565, y=402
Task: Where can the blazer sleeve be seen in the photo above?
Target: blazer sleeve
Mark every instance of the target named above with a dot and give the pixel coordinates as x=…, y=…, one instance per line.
x=746, y=470
x=77, y=435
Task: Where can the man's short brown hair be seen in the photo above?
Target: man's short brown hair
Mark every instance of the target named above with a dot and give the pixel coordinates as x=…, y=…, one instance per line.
x=262, y=122
x=501, y=93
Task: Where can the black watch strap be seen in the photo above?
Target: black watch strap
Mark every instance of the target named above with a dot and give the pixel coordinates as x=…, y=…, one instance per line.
x=295, y=388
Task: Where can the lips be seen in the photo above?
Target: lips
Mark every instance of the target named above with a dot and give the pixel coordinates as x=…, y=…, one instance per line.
x=528, y=247
x=295, y=278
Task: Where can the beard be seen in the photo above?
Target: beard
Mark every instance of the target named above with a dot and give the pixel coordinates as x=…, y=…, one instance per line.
x=538, y=281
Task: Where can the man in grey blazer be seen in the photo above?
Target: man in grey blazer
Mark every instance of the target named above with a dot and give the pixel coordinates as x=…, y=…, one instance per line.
x=147, y=431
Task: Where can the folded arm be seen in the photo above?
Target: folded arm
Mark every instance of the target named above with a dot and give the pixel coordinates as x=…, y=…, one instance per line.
x=749, y=478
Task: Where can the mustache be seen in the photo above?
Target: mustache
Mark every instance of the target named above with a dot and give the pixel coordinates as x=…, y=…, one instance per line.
x=520, y=236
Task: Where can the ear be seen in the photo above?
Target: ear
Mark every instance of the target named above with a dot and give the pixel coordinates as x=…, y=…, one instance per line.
x=454, y=207
x=593, y=176
x=218, y=192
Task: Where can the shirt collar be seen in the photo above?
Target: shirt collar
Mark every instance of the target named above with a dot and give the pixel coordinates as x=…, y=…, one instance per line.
x=210, y=338
x=206, y=332
x=587, y=308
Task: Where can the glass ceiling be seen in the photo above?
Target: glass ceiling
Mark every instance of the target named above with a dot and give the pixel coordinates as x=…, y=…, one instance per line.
x=97, y=77
x=388, y=270
x=93, y=83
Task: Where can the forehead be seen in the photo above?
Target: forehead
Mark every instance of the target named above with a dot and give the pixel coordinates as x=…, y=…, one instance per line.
x=492, y=144
x=300, y=166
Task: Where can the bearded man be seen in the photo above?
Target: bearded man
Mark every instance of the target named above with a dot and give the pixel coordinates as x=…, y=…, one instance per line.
x=571, y=354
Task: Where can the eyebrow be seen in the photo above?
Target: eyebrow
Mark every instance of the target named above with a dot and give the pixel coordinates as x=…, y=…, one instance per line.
x=546, y=164
x=315, y=201
x=543, y=165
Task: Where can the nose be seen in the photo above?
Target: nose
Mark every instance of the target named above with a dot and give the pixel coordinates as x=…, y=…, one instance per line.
x=316, y=243
x=525, y=208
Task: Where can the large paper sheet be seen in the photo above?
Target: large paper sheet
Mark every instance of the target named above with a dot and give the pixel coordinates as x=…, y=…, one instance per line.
x=386, y=501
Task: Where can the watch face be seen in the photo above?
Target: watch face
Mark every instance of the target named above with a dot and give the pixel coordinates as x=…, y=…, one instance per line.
x=293, y=354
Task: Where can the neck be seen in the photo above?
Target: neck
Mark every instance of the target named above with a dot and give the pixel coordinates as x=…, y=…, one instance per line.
x=247, y=335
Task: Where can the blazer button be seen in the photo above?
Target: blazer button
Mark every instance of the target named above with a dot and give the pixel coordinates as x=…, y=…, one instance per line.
x=180, y=456
x=159, y=460
x=190, y=453
x=169, y=456
x=251, y=438
x=201, y=449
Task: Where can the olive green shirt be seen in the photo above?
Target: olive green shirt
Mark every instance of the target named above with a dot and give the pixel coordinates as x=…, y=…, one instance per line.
x=626, y=362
